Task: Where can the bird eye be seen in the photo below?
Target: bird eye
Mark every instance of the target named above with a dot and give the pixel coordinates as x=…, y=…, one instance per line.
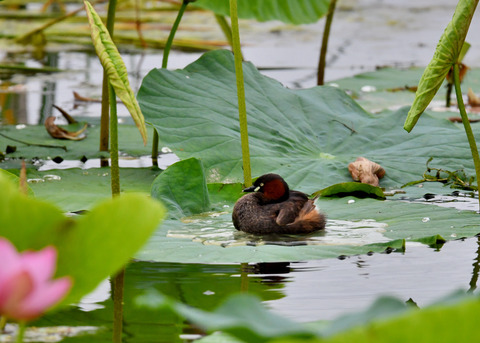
x=261, y=185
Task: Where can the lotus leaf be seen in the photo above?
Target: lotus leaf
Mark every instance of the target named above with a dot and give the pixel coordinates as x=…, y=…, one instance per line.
x=288, y=11
x=308, y=136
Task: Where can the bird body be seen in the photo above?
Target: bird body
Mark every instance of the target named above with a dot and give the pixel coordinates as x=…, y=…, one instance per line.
x=273, y=208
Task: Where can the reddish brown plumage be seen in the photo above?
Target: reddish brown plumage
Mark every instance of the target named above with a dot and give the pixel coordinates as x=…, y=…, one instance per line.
x=274, y=208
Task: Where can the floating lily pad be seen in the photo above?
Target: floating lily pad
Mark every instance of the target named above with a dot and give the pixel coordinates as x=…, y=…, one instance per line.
x=308, y=136
x=80, y=189
x=354, y=226
x=37, y=143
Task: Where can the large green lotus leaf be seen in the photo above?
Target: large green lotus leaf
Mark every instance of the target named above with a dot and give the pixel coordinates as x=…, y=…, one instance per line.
x=80, y=189
x=308, y=136
x=34, y=135
x=90, y=247
x=288, y=11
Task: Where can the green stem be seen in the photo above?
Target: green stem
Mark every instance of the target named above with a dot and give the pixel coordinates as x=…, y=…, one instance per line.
x=466, y=124
x=173, y=31
x=166, y=53
x=226, y=29
x=21, y=332
x=476, y=269
x=104, y=120
x=323, y=50
x=3, y=323
x=448, y=98
x=115, y=170
x=242, y=109
x=117, y=293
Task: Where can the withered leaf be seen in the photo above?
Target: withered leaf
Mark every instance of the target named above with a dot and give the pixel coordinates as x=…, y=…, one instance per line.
x=366, y=171
x=60, y=133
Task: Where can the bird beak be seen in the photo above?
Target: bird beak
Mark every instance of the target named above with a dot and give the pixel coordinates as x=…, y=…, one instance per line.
x=250, y=189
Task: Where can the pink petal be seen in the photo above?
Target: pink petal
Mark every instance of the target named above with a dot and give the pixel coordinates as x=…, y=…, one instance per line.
x=43, y=297
x=10, y=259
x=16, y=289
x=41, y=264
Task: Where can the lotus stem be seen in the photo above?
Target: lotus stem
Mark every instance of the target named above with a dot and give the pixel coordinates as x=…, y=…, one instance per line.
x=476, y=269
x=104, y=120
x=115, y=172
x=117, y=294
x=3, y=323
x=20, y=332
x=323, y=49
x=466, y=125
x=173, y=31
x=226, y=29
x=242, y=109
x=166, y=53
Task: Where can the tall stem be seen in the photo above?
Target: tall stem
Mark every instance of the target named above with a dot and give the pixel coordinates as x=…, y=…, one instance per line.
x=226, y=29
x=104, y=120
x=323, y=49
x=20, y=332
x=242, y=109
x=166, y=53
x=114, y=169
x=466, y=125
x=117, y=293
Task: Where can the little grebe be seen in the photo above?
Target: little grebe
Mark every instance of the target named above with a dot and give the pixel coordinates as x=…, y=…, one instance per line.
x=274, y=208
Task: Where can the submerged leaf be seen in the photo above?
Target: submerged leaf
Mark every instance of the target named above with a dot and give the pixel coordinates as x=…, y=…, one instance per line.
x=113, y=64
x=446, y=54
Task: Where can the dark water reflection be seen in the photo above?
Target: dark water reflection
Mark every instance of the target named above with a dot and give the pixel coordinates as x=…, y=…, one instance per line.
x=302, y=291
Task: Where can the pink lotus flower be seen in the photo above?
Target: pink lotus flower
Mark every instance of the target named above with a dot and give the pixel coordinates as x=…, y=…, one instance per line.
x=26, y=287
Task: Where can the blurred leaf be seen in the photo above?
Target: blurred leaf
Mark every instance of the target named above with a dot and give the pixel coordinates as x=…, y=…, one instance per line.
x=289, y=11
x=90, y=247
x=113, y=64
x=15, y=179
x=241, y=315
x=446, y=54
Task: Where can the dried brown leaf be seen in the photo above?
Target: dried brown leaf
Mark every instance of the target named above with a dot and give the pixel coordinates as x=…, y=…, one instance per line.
x=366, y=171
x=60, y=133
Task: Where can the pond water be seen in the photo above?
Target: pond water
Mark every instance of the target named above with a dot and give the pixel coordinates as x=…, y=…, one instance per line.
x=303, y=291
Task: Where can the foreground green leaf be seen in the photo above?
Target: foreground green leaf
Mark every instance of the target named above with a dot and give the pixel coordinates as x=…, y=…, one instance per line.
x=113, y=64
x=288, y=11
x=308, y=136
x=91, y=247
x=446, y=54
